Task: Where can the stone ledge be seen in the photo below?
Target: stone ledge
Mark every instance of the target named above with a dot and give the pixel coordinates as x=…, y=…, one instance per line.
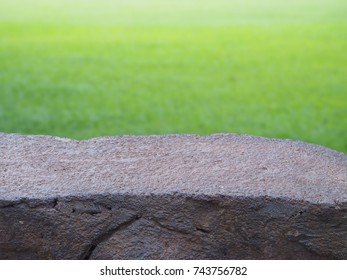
x=171, y=197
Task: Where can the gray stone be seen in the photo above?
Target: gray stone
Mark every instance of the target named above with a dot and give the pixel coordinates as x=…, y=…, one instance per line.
x=171, y=197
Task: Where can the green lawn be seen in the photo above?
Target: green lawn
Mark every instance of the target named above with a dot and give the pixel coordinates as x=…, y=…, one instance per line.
x=82, y=69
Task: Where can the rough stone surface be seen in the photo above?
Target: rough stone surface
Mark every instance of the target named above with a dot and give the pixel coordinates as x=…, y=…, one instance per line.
x=171, y=197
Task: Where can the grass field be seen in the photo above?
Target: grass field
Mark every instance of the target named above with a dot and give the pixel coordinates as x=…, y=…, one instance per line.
x=82, y=69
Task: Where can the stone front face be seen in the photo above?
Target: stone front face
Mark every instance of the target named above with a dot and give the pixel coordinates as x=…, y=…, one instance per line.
x=171, y=197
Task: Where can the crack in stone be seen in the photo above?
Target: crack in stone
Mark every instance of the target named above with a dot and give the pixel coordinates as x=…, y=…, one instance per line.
x=30, y=204
x=55, y=203
x=168, y=228
x=72, y=209
x=106, y=235
x=202, y=230
x=4, y=205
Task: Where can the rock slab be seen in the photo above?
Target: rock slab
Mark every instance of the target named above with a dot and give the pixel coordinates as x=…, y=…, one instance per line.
x=221, y=196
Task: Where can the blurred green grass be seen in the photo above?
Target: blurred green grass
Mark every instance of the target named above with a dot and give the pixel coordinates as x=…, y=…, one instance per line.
x=82, y=69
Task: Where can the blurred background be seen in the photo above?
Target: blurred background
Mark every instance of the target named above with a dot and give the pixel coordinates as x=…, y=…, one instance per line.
x=83, y=68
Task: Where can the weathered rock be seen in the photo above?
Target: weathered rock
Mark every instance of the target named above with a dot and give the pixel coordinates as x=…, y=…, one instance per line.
x=171, y=197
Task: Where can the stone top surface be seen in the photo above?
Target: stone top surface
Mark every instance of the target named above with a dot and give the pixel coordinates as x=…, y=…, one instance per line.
x=39, y=167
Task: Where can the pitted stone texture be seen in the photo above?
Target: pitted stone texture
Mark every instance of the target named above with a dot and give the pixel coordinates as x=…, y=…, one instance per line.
x=171, y=197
